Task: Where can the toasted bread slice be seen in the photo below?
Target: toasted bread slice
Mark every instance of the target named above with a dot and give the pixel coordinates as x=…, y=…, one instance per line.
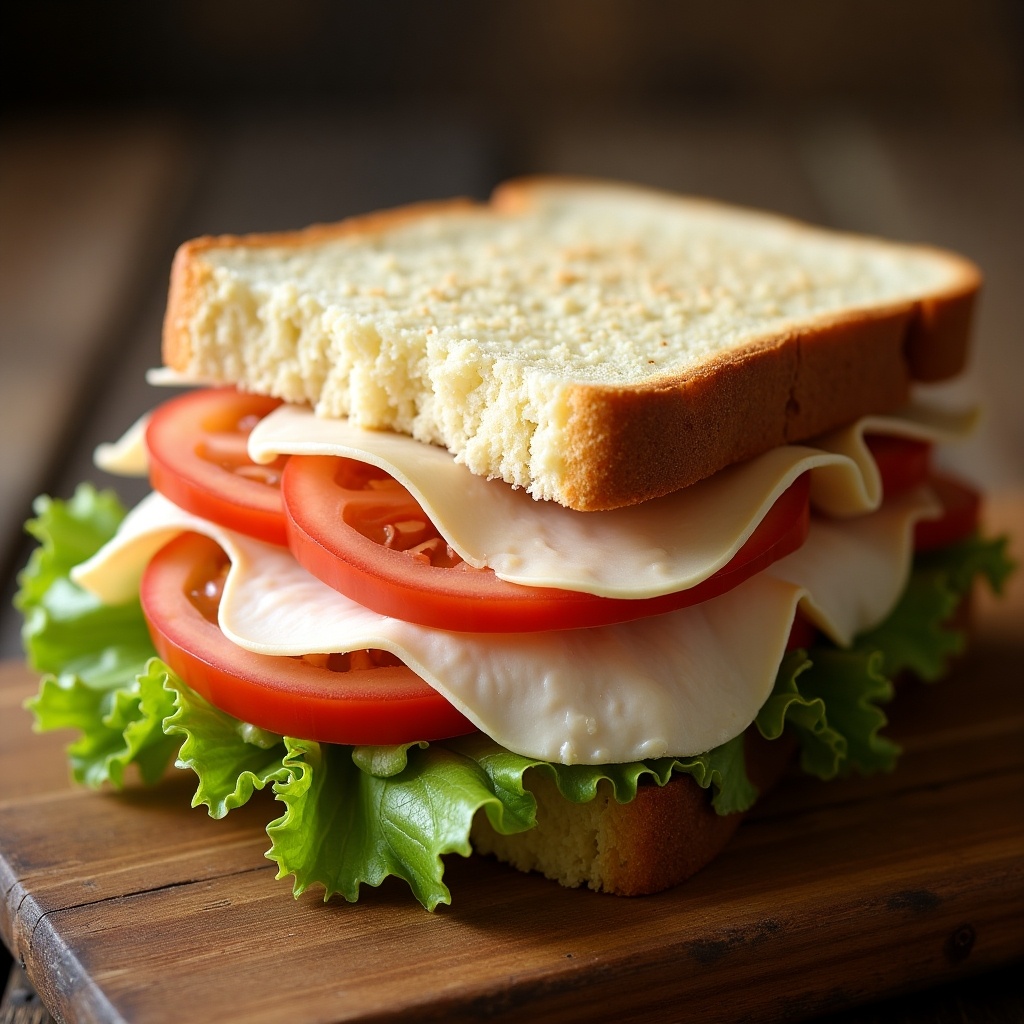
x=596, y=344
x=659, y=839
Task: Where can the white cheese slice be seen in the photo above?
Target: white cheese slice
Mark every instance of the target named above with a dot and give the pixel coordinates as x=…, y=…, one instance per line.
x=126, y=456
x=676, y=684
x=669, y=544
x=851, y=572
x=918, y=421
x=168, y=377
x=658, y=547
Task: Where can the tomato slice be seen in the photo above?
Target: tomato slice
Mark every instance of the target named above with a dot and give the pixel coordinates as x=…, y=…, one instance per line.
x=803, y=632
x=363, y=534
x=364, y=698
x=198, y=459
x=902, y=462
x=961, y=514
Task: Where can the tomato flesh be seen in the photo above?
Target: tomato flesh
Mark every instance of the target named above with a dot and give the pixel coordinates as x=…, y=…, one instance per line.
x=961, y=514
x=902, y=462
x=803, y=632
x=363, y=698
x=363, y=534
x=198, y=459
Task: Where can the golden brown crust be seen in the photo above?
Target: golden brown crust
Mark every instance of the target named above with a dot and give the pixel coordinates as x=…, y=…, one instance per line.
x=676, y=830
x=188, y=276
x=937, y=338
x=664, y=836
x=629, y=444
x=626, y=444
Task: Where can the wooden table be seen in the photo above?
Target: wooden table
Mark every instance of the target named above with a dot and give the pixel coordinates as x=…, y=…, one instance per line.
x=92, y=210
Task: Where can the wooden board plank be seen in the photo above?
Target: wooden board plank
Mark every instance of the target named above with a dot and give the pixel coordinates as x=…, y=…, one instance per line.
x=829, y=895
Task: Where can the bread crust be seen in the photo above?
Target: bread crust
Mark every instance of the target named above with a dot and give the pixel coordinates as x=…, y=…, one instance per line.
x=630, y=444
x=626, y=444
x=654, y=842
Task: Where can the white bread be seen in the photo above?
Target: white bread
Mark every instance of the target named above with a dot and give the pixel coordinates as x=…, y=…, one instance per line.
x=659, y=839
x=597, y=344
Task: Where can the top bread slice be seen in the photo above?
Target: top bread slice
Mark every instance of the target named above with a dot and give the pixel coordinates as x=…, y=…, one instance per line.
x=597, y=344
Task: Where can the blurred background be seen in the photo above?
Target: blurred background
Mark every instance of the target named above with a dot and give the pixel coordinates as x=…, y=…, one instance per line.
x=126, y=127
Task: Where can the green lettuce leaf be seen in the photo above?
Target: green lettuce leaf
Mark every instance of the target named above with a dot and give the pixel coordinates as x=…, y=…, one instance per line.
x=95, y=657
x=823, y=748
x=917, y=636
x=722, y=769
x=119, y=726
x=354, y=817
x=343, y=827
x=66, y=630
x=231, y=758
x=68, y=532
x=830, y=699
x=975, y=558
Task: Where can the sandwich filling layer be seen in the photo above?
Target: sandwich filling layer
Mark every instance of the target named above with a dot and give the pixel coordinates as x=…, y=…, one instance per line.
x=674, y=684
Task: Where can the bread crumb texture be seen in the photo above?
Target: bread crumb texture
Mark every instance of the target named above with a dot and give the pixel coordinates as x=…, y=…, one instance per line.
x=479, y=327
x=569, y=844
x=651, y=843
x=657, y=840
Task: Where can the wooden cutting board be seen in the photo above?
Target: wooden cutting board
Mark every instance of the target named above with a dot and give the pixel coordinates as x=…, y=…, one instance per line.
x=132, y=907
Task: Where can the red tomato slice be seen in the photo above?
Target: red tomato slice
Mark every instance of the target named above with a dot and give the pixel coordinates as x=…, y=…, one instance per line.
x=363, y=534
x=198, y=459
x=803, y=632
x=961, y=513
x=902, y=463
x=364, y=698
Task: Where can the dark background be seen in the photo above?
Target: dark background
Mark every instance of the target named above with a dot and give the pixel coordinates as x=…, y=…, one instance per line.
x=126, y=127
x=513, y=62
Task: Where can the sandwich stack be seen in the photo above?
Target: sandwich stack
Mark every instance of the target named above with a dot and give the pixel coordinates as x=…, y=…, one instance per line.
x=551, y=527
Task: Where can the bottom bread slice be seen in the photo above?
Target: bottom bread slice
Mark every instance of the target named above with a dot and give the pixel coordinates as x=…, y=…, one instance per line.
x=659, y=839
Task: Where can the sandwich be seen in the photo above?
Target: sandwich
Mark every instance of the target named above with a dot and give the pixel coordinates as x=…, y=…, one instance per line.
x=552, y=527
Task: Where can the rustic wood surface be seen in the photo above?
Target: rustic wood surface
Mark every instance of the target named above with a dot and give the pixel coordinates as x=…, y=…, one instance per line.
x=830, y=895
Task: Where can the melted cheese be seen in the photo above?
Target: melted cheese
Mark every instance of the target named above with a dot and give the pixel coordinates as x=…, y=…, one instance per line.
x=851, y=572
x=168, y=377
x=658, y=547
x=677, y=684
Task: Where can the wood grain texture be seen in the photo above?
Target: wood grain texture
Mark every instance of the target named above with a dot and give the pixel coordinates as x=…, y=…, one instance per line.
x=829, y=895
